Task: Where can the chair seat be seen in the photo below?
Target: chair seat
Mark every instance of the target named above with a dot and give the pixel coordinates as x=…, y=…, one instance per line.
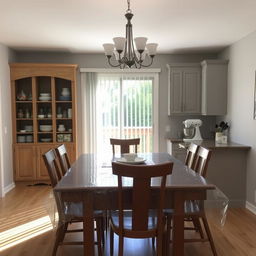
x=190, y=207
x=76, y=210
x=152, y=223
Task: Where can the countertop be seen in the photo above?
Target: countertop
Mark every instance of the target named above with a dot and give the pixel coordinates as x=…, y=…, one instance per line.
x=211, y=144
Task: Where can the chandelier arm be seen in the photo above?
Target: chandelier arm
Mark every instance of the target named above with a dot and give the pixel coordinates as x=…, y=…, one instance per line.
x=152, y=59
x=112, y=65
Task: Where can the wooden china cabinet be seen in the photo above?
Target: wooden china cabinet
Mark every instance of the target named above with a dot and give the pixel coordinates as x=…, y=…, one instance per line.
x=44, y=115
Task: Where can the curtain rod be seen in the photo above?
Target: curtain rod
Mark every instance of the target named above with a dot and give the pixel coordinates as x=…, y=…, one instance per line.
x=109, y=70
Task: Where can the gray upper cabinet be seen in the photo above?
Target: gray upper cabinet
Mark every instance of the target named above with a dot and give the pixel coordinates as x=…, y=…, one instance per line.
x=214, y=87
x=184, y=88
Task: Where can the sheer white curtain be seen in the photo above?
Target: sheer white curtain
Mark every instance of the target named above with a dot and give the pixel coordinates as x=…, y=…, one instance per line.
x=119, y=105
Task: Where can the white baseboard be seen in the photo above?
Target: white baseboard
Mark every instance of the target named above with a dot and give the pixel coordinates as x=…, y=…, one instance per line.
x=9, y=187
x=250, y=207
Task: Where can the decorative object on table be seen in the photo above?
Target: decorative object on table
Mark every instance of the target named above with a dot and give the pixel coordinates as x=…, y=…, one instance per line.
x=221, y=132
x=61, y=128
x=22, y=95
x=67, y=138
x=60, y=137
x=123, y=48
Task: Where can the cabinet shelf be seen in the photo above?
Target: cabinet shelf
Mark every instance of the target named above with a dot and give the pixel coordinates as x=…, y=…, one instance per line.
x=24, y=133
x=24, y=119
x=63, y=101
x=63, y=118
x=23, y=101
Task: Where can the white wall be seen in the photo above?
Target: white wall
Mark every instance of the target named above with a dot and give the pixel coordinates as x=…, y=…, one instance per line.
x=241, y=82
x=5, y=120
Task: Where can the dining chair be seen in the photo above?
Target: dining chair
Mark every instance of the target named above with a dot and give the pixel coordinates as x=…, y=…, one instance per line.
x=194, y=210
x=143, y=220
x=191, y=153
x=124, y=144
x=64, y=161
x=68, y=212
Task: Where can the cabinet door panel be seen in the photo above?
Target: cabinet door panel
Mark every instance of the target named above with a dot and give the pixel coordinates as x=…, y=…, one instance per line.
x=191, y=91
x=176, y=91
x=25, y=163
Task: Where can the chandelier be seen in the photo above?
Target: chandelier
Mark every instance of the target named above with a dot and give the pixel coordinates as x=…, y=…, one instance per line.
x=123, y=54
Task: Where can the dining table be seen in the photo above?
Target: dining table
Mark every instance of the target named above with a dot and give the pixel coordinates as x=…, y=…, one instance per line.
x=90, y=181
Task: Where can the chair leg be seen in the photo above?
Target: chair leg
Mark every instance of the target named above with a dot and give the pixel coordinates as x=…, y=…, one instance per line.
x=159, y=245
x=111, y=241
x=103, y=225
x=99, y=228
x=208, y=232
x=121, y=246
x=60, y=234
x=198, y=226
x=168, y=235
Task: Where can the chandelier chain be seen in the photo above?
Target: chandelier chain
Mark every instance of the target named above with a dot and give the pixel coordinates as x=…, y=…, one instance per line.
x=128, y=3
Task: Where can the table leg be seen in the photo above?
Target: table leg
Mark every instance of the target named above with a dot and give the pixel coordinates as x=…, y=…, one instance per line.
x=178, y=224
x=88, y=225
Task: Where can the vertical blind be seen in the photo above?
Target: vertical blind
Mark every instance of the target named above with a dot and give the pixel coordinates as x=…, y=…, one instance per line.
x=124, y=109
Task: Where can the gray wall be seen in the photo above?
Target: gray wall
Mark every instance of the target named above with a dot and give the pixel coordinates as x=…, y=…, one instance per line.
x=99, y=61
x=241, y=83
x=6, y=56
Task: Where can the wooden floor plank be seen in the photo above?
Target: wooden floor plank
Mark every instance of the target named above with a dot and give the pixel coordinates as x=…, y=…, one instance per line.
x=28, y=204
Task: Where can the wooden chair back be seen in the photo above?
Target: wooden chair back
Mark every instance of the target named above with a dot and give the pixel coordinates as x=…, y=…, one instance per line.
x=124, y=144
x=202, y=160
x=63, y=158
x=50, y=160
x=141, y=193
x=191, y=155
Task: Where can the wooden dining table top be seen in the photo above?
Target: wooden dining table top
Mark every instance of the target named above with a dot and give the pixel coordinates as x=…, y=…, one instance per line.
x=90, y=172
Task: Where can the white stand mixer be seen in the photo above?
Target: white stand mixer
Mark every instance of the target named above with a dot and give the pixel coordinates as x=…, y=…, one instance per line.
x=194, y=123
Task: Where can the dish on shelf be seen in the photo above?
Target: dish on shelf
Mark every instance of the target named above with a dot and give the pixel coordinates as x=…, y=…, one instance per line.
x=138, y=160
x=40, y=116
x=45, y=128
x=29, y=128
x=21, y=139
x=23, y=130
x=45, y=94
x=45, y=139
x=64, y=98
x=44, y=98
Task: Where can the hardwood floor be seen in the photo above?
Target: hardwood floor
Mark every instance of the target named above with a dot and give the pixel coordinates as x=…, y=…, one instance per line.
x=25, y=227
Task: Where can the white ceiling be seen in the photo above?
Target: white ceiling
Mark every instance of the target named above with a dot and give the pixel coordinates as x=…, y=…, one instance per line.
x=84, y=25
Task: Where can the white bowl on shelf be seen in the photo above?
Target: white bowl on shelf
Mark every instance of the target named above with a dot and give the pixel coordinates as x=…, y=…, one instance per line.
x=40, y=116
x=45, y=128
x=45, y=94
x=44, y=98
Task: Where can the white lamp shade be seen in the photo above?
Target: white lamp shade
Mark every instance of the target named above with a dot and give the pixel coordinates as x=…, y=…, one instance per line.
x=151, y=49
x=119, y=43
x=109, y=49
x=140, y=43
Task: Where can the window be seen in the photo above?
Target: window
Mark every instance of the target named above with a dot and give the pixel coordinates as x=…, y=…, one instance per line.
x=122, y=106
